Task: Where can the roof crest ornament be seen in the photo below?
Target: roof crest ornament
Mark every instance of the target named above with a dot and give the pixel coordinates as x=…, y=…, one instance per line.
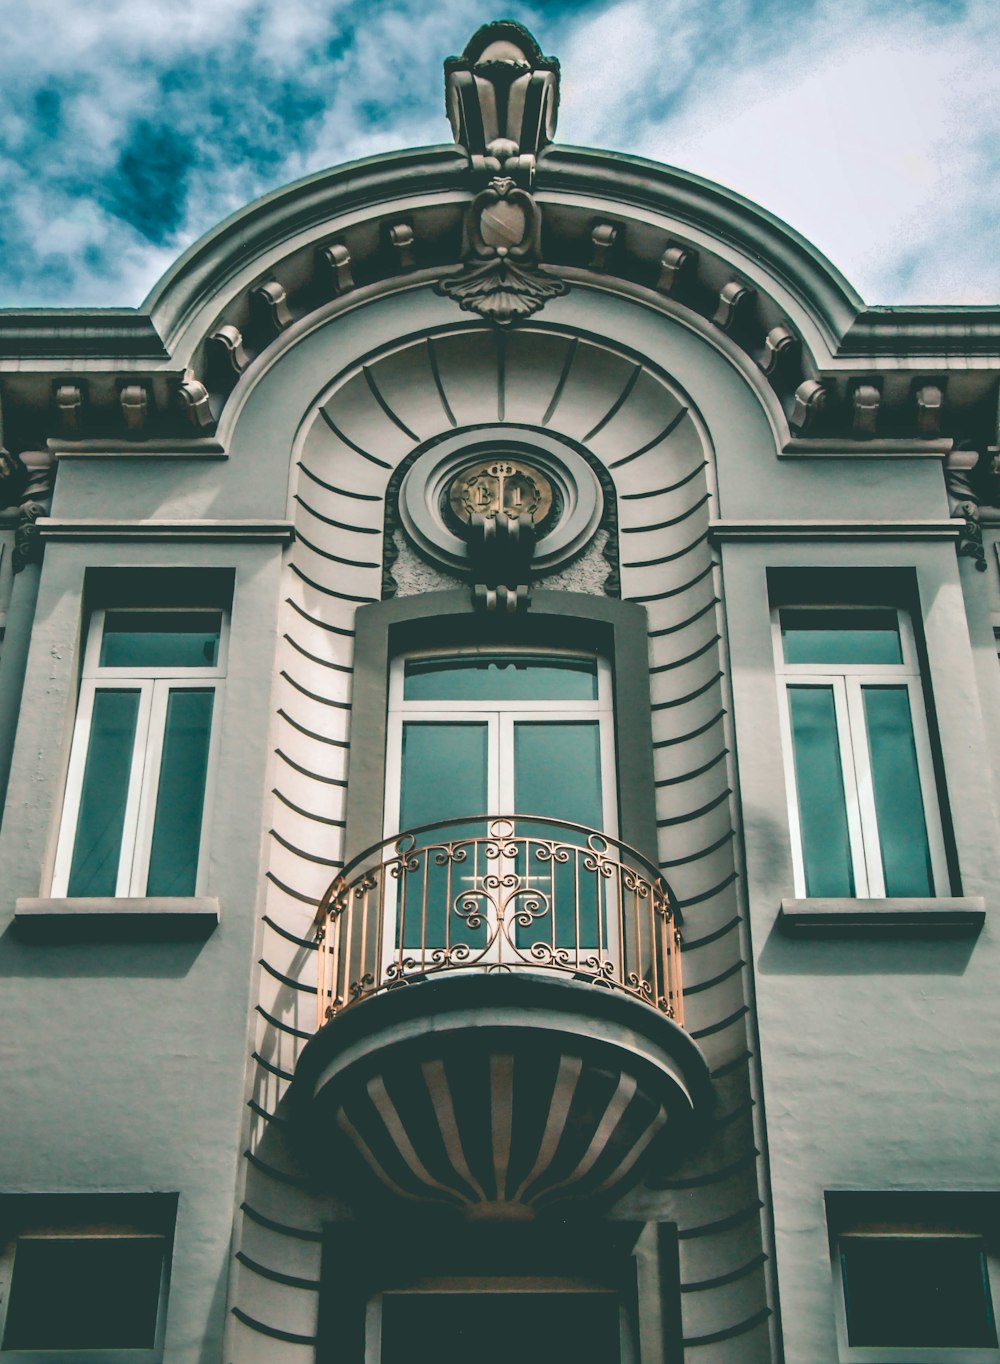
x=502, y=97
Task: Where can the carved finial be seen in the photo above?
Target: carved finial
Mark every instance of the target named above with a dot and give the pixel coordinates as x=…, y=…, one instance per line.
x=675, y=263
x=930, y=401
x=401, y=241
x=227, y=349
x=270, y=302
x=780, y=345
x=336, y=259
x=865, y=402
x=602, y=238
x=69, y=405
x=134, y=401
x=734, y=298
x=502, y=97
x=192, y=397
x=809, y=402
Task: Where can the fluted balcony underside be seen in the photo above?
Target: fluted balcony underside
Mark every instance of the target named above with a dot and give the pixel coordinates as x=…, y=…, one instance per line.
x=464, y=1056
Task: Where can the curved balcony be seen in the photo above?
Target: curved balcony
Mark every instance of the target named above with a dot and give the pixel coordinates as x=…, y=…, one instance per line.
x=500, y=1015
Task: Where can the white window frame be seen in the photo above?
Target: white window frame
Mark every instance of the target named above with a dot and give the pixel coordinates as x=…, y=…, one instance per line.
x=910, y=1354
x=847, y=681
x=154, y=685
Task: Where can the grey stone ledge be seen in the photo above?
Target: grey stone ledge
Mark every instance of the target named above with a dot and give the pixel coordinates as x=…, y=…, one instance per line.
x=802, y=447
x=943, y=917
x=197, y=448
x=937, y=529
x=97, y=528
x=156, y=918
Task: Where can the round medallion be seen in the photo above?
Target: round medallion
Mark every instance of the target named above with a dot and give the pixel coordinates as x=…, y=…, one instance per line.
x=501, y=487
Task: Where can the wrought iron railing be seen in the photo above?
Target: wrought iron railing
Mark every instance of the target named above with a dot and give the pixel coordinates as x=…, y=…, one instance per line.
x=498, y=894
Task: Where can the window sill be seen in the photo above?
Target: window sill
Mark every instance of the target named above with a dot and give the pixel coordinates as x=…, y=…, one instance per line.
x=958, y=917
x=74, y=919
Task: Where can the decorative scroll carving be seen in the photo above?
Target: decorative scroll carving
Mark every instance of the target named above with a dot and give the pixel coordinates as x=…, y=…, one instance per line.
x=192, y=398
x=270, y=302
x=930, y=401
x=808, y=405
x=964, y=503
x=676, y=264
x=227, y=349
x=734, y=299
x=134, y=400
x=603, y=238
x=502, y=280
x=69, y=406
x=865, y=402
x=336, y=259
x=35, y=501
x=502, y=98
x=780, y=347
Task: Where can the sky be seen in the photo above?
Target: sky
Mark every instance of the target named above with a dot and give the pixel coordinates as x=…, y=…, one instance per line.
x=130, y=127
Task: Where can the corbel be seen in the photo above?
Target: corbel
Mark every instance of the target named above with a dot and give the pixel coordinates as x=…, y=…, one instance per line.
x=69, y=407
x=336, y=261
x=866, y=398
x=134, y=401
x=602, y=238
x=227, y=349
x=192, y=398
x=270, y=301
x=964, y=504
x=929, y=399
x=807, y=406
x=733, y=300
x=36, y=500
x=401, y=241
x=675, y=264
x=780, y=345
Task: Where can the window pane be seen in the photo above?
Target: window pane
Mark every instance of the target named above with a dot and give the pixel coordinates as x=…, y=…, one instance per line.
x=444, y=776
x=84, y=1293
x=840, y=636
x=161, y=639
x=500, y=679
x=496, y=1328
x=921, y=1291
x=819, y=779
x=557, y=773
x=180, y=794
x=101, y=821
x=899, y=807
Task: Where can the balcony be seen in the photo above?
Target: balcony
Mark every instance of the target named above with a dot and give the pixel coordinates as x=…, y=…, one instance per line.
x=499, y=1020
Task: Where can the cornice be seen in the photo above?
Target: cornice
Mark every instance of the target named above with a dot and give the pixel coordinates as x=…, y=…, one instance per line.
x=113, y=334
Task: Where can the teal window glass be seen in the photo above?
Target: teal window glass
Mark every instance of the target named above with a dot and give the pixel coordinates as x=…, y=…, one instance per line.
x=840, y=636
x=84, y=1293
x=899, y=807
x=819, y=781
x=557, y=773
x=161, y=639
x=180, y=796
x=101, y=820
x=495, y=1328
x=921, y=1292
x=444, y=776
x=500, y=679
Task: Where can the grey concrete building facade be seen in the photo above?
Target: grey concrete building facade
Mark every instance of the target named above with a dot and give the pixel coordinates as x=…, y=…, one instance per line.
x=498, y=739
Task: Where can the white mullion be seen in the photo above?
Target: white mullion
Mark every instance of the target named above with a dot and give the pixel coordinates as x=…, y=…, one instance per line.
x=155, y=738
x=500, y=782
x=791, y=786
x=928, y=785
x=861, y=762
x=79, y=749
